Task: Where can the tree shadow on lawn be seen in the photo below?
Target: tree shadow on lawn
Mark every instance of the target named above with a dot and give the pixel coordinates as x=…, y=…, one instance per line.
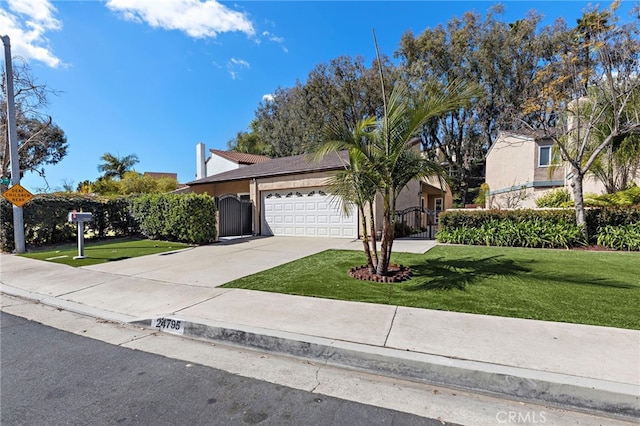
x=444, y=274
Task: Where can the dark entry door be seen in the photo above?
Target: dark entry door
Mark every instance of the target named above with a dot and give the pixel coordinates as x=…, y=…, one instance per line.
x=235, y=216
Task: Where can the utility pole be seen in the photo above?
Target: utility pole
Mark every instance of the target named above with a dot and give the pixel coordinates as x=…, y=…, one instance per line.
x=18, y=220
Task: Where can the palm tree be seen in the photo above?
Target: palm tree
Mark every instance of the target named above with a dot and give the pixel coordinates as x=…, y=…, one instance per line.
x=383, y=159
x=355, y=185
x=115, y=166
x=397, y=162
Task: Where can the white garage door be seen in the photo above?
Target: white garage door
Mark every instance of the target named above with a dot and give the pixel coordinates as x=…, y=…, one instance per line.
x=306, y=213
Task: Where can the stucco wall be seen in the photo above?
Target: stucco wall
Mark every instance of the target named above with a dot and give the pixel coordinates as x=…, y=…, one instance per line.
x=294, y=181
x=510, y=162
x=217, y=189
x=409, y=196
x=216, y=164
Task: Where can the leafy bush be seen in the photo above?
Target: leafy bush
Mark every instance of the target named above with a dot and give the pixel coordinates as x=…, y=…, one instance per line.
x=628, y=197
x=481, y=198
x=189, y=218
x=625, y=237
x=46, y=219
x=511, y=231
x=539, y=228
x=554, y=198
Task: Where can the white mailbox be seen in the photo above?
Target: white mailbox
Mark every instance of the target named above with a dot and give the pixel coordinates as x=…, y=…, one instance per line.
x=80, y=218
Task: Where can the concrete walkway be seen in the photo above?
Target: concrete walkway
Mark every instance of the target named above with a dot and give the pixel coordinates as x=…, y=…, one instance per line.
x=582, y=367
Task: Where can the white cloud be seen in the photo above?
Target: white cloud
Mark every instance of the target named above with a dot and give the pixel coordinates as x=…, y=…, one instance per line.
x=26, y=22
x=275, y=39
x=196, y=18
x=239, y=62
x=272, y=37
x=268, y=97
x=235, y=65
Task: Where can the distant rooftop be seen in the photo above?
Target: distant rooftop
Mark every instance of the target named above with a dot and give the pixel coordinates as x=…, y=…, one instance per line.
x=280, y=166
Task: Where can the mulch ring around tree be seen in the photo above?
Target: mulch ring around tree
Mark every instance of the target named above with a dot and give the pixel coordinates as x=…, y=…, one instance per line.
x=395, y=274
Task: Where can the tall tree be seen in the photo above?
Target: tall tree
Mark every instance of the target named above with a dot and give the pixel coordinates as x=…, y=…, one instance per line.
x=250, y=143
x=40, y=141
x=115, y=166
x=295, y=120
x=502, y=58
x=591, y=86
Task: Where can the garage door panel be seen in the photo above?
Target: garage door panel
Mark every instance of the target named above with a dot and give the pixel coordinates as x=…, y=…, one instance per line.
x=309, y=212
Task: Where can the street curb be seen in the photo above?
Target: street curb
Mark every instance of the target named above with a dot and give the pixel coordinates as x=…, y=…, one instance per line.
x=598, y=397
x=594, y=396
x=66, y=305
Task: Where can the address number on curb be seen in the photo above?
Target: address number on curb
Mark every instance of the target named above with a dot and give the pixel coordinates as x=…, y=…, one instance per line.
x=170, y=325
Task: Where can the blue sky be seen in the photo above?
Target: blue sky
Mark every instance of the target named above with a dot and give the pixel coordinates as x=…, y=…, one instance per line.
x=155, y=77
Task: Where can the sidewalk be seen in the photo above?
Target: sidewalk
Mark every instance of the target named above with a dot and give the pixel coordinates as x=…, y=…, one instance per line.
x=583, y=367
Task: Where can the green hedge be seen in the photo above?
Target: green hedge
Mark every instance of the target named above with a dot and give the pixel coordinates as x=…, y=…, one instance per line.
x=189, y=218
x=556, y=228
x=46, y=219
x=182, y=218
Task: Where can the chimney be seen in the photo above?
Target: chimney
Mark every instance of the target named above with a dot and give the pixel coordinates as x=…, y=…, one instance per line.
x=201, y=168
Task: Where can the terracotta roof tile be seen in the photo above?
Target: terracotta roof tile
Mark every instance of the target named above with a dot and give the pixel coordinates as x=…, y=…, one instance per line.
x=240, y=157
x=280, y=167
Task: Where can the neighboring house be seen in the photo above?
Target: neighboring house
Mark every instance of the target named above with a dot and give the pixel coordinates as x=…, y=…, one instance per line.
x=520, y=169
x=288, y=196
x=223, y=161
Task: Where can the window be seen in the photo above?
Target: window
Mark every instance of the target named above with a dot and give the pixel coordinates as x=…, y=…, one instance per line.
x=544, y=156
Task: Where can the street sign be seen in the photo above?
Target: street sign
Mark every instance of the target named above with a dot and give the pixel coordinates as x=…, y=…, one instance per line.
x=17, y=195
x=5, y=181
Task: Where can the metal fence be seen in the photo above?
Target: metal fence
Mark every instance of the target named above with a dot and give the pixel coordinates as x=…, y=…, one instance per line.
x=416, y=222
x=235, y=216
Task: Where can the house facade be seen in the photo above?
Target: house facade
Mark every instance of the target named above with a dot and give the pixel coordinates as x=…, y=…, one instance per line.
x=520, y=168
x=289, y=196
x=220, y=161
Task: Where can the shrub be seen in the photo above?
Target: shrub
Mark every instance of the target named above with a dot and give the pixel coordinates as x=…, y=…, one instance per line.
x=46, y=219
x=625, y=237
x=481, y=198
x=628, y=197
x=554, y=228
x=554, y=198
x=518, y=228
x=188, y=218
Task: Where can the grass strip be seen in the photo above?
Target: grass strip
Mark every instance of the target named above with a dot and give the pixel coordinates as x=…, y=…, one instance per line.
x=584, y=287
x=104, y=251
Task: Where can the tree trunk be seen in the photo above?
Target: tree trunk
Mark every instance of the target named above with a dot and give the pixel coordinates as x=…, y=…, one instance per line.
x=372, y=227
x=365, y=242
x=578, y=199
x=387, y=237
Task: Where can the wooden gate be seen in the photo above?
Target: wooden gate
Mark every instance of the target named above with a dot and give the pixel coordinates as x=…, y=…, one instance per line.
x=235, y=216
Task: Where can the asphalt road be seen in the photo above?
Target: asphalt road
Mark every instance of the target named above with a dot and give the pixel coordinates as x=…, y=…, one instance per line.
x=52, y=377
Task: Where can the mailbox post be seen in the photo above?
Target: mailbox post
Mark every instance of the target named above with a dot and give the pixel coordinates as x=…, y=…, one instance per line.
x=80, y=218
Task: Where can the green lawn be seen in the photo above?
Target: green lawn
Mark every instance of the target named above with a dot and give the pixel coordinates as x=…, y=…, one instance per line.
x=599, y=288
x=104, y=251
